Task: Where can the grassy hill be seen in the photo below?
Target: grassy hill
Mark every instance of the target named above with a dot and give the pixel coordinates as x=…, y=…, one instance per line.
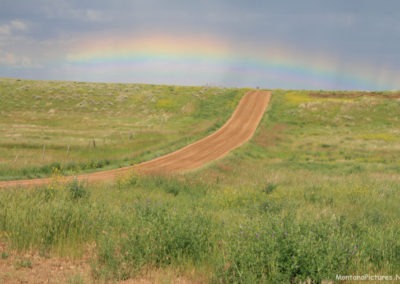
x=79, y=127
x=313, y=195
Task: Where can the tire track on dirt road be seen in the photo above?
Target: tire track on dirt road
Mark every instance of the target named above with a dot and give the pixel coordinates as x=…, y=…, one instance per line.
x=235, y=132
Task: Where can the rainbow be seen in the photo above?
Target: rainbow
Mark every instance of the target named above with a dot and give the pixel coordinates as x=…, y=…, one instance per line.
x=203, y=60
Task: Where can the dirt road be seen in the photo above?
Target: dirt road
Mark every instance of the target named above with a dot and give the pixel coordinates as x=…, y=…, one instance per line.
x=236, y=131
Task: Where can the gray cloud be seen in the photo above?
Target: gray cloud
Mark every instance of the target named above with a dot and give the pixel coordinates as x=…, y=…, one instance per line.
x=34, y=32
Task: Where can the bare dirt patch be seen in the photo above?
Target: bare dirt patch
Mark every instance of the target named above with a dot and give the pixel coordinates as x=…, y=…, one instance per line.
x=32, y=268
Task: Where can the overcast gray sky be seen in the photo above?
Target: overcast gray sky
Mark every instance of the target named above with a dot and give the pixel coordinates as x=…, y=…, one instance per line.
x=292, y=44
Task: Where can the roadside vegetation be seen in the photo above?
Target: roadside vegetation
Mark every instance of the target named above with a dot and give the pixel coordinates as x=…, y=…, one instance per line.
x=315, y=194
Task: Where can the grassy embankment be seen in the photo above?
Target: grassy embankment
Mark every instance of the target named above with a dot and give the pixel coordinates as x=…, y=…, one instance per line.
x=314, y=194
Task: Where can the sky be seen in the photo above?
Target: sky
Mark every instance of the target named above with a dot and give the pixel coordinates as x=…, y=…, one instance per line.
x=287, y=44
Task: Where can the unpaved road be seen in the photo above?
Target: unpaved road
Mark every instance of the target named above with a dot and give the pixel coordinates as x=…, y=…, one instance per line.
x=236, y=131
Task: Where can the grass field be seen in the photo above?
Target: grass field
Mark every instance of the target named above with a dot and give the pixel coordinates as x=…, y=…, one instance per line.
x=79, y=127
x=315, y=194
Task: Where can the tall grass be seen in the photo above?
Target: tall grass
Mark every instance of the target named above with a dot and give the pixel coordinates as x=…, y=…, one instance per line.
x=291, y=233
x=307, y=198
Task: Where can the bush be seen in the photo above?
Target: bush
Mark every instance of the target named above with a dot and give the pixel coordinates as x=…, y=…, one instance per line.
x=77, y=190
x=269, y=188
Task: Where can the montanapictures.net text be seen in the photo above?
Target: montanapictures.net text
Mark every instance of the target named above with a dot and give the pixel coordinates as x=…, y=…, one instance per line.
x=367, y=277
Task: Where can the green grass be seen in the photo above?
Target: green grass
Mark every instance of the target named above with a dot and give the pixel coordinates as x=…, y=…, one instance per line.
x=314, y=194
x=85, y=126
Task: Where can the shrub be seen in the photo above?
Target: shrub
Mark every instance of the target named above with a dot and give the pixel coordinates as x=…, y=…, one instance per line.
x=77, y=190
x=270, y=187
